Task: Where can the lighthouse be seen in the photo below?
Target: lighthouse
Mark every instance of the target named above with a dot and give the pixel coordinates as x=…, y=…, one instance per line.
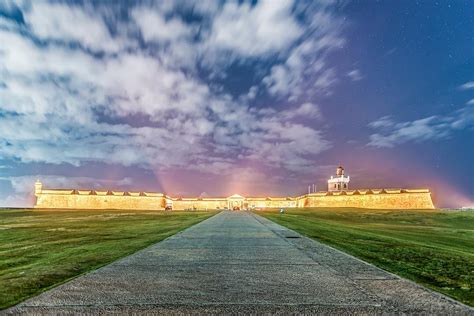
x=340, y=182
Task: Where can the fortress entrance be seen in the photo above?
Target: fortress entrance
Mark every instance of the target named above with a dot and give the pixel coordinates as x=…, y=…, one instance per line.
x=235, y=202
x=236, y=206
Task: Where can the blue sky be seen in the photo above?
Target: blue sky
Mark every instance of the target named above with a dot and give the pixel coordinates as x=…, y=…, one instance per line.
x=215, y=98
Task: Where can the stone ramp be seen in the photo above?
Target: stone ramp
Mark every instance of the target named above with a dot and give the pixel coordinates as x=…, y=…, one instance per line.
x=238, y=262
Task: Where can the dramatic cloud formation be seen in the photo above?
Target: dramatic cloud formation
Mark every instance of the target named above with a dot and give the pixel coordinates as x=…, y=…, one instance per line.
x=71, y=91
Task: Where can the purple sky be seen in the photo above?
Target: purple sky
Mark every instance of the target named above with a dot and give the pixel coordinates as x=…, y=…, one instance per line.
x=256, y=98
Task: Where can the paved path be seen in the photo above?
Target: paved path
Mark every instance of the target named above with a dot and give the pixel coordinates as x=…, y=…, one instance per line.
x=239, y=262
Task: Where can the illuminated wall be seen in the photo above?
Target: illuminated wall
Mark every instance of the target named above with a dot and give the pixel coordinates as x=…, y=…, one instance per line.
x=271, y=202
x=90, y=199
x=375, y=198
x=197, y=203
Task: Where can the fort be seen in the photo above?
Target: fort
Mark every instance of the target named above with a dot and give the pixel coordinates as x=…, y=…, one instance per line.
x=338, y=195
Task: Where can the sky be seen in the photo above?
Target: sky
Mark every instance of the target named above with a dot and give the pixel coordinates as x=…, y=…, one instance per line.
x=260, y=98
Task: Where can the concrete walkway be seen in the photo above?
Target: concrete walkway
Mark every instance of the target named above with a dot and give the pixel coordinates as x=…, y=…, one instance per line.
x=239, y=262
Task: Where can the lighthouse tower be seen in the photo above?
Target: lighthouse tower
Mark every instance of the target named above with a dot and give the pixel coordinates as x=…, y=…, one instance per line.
x=340, y=182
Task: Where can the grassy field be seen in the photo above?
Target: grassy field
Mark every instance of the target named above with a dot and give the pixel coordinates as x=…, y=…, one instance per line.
x=41, y=249
x=434, y=248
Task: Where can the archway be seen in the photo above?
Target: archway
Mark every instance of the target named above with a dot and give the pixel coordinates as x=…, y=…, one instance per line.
x=235, y=202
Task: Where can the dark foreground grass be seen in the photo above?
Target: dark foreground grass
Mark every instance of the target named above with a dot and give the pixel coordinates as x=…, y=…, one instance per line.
x=434, y=248
x=41, y=249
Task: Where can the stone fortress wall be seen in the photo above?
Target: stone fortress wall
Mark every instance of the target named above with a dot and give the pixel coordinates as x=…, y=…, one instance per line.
x=91, y=199
x=374, y=198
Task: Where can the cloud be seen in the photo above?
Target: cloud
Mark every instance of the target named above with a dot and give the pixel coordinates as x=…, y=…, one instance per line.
x=306, y=71
x=418, y=130
x=254, y=29
x=85, y=84
x=355, y=75
x=467, y=86
x=66, y=105
x=252, y=93
x=17, y=200
x=326, y=79
x=470, y=102
x=54, y=21
x=306, y=110
x=155, y=27
x=391, y=133
x=383, y=122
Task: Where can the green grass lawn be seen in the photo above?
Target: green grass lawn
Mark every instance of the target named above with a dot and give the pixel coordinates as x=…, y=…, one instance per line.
x=434, y=248
x=41, y=249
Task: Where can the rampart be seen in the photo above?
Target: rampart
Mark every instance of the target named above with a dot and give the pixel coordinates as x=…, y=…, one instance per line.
x=92, y=199
x=373, y=198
